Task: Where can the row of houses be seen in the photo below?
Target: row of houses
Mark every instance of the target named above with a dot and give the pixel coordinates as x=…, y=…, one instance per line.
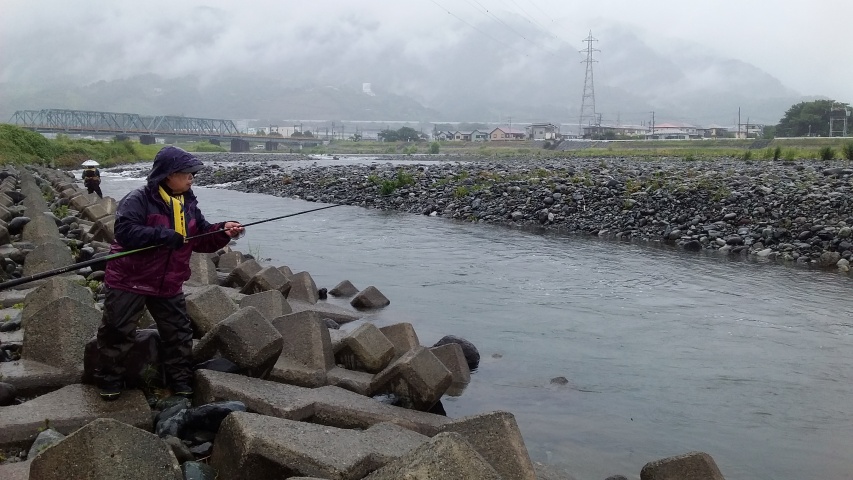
x=535, y=131
x=673, y=131
x=550, y=131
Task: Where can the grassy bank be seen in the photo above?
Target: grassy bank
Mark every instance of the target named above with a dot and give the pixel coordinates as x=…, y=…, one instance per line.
x=778, y=149
x=21, y=146
x=18, y=145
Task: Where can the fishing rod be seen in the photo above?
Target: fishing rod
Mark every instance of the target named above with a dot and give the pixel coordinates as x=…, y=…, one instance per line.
x=264, y=221
x=68, y=268
x=113, y=256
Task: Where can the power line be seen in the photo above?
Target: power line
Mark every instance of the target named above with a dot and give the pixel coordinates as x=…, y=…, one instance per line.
x=486, y=11
x=497, y=18
x=472, y=26
x=527, y=14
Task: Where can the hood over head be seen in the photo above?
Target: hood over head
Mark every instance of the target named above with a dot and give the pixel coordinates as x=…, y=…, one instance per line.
x=170, y=160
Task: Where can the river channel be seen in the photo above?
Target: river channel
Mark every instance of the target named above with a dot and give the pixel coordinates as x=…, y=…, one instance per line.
x=665, y=352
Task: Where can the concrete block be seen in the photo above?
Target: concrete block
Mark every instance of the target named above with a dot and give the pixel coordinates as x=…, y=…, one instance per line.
x=207, y=307
x=306, y=353
x=94, y=212
x=52, y=289
x=32, y=378
x=242, y=273
x=446, y=455
x=418, y=378
x=689, y=466
x=228, y=261
x=245, y=338
x=325, y=405
x=103, y=230
x=267, y=278
x=47, y=256
x=107, y=449
x=370, y=297
x=203, y=271
x=496, y=437
x=402, y=335
x=303, y=288
x=251, y=446
x=40, y=225
x=452, y=357
x=365, y=349
x=271, y=303
x=343, y=289
x=359, y=382
x=325, y=310
x=58, y=332
x=68, y=409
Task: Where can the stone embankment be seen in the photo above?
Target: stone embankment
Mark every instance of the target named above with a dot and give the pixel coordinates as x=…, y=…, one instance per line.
x=797, y=212
x=281, y=391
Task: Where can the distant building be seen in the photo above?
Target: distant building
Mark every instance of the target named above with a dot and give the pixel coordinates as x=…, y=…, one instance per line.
x=629, y=131
x=542, y=131
x=366, y=89
x=673, y=131
x=506, y=133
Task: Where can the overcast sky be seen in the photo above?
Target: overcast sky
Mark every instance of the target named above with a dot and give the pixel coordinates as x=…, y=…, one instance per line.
x=800, y=43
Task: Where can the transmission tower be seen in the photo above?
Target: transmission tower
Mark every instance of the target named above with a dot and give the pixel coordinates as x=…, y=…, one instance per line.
x=588, y=116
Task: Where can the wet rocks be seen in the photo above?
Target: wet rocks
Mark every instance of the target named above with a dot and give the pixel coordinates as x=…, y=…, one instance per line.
x=802, y=212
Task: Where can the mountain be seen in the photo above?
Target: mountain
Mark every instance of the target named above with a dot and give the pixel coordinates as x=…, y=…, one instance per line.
x=473, y=79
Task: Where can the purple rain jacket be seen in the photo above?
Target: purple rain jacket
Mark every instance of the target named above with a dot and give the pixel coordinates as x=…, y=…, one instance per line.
x=144, y=219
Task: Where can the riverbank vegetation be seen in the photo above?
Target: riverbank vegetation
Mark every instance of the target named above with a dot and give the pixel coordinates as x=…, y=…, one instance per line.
x=18, y=145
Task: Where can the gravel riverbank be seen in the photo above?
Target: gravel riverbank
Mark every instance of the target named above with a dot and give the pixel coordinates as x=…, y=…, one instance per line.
x=799, y=212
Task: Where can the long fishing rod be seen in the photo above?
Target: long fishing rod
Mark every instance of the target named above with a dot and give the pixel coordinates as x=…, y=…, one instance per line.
x=113, y=256
x=68, y=268
x=264, y=221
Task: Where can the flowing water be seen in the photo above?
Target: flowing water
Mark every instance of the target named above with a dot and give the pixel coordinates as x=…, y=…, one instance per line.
x=664, y=352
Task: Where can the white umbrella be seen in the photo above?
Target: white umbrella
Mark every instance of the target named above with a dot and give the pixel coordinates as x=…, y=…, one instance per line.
x=90, y=163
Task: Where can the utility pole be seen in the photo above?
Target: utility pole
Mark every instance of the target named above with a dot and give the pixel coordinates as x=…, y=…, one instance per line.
x=738, y=122
x=510, y=127
x=653, y=124
x=588, y=100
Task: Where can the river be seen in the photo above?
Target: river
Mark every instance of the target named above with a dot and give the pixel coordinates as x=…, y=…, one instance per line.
x=665, y=352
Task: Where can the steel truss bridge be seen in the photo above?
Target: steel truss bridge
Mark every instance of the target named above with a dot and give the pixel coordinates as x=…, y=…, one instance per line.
x=147, y=128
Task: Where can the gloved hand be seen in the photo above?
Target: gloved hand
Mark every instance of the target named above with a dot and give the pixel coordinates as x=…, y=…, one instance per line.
x=174, y=240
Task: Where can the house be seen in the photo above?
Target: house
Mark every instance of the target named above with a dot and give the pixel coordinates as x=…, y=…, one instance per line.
x=673, y=131
x=442, y=136
x=506, y=133
x=479, y=136
x=610, y=131
x=462, y=136
x=542, y=131
x=715, y=131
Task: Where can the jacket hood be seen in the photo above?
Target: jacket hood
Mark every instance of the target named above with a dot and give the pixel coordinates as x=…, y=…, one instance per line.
x=170, y=160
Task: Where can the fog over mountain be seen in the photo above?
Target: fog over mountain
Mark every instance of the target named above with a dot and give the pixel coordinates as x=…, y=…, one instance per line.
x=202, y=67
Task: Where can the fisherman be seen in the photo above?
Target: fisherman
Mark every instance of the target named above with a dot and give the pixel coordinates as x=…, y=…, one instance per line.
x=92, y=177
x=163, y=212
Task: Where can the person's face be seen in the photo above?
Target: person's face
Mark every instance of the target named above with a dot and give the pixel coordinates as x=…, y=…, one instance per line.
x=179, y=182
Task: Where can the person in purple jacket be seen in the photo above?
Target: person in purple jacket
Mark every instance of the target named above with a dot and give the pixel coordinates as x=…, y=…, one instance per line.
x=164, y=212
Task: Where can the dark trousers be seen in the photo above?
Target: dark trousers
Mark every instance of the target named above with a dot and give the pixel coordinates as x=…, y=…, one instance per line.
x=122, y=311
x=95, y=189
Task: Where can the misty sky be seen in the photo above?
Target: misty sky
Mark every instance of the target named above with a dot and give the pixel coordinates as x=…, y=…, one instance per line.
x=800, y=43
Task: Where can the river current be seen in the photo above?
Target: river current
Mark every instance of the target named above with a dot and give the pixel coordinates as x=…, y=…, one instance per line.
x=665, y=352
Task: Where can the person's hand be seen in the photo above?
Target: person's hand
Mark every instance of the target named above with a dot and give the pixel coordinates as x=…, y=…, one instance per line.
x=233, y=229
x=174, y=240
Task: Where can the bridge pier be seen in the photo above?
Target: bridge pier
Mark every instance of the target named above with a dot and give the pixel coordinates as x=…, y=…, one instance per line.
x=270, y=146
x=214, y=141
x=147, y=139
x=121, y=138
x=238, y=145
